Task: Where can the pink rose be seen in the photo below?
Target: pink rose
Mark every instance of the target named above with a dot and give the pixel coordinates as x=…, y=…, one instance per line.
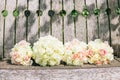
x=103, y=52
x=89, y=53
x=15, y=55
x=27, y=58
x=76, y=56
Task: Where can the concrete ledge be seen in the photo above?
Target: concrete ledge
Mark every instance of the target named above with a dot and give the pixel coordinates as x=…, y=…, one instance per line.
x=87, y=72
x=62, y=74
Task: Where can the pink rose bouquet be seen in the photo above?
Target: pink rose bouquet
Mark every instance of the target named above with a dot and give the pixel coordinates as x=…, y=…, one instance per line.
x=75, y=53
x=21, y=53
x=99, y=52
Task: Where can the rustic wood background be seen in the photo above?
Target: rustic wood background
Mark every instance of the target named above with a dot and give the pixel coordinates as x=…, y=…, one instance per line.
x=109, y=25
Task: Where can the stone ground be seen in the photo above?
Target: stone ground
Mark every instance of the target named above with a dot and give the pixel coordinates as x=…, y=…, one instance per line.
x=86, y=72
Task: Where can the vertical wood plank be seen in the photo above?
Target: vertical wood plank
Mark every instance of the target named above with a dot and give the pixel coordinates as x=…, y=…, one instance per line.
x=99, y=5
x=21, y=25
x=45, y=19
x=115, y=26
x=57, y=22
x=80, y=23
x=92, y=21
x=9, y=30
x=68, y=20
x=33, y=21
x=1, y=28
x=104, y=28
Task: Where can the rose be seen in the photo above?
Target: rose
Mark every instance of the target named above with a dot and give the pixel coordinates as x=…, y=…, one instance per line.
x=48, y=50
x=21, y=53
x=99, y=52
x=75, y=52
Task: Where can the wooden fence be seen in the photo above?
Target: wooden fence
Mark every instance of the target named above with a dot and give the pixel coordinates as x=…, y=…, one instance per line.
x=43, y=17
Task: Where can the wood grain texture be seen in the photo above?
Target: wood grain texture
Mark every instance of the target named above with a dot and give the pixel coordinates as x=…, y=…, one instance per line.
x=80, y=23
x=104, y=27
x=21, y=25
x=57, y=22
x=33, y=21
x=45, y=19
x=1, y=28
x=9, y=27
x=92, y=21
x=68, y=20
x=115, y=27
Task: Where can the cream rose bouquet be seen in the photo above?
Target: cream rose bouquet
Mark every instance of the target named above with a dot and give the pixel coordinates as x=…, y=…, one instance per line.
x=75, y=53
x=48, y=51
x=21, y=53
x=99, y=52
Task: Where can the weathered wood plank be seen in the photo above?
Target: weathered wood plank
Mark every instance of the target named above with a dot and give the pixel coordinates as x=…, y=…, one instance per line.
x=45, y=19
x=33, y=21
x=21, y=25
x=92, y=21
x=57, y=22
x=104, y=28
x=68, y=20
x=115, y=26
x=1, y=28
x=80, y=23
x=9, y=30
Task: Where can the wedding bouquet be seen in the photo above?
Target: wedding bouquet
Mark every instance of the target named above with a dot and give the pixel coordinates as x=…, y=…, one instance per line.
x=21, y=53
x=99, y=52
x=48, y=51
x=75, y=53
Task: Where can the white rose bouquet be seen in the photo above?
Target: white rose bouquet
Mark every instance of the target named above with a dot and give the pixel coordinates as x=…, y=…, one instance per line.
x=99, y=52
x=75, y=53
x=48, y=51
x=21, y=53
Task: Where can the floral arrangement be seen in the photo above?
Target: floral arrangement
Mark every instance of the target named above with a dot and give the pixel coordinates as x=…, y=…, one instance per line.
x=75, y=52
x=99, y=52
x=48, y=51
x=21, y=53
